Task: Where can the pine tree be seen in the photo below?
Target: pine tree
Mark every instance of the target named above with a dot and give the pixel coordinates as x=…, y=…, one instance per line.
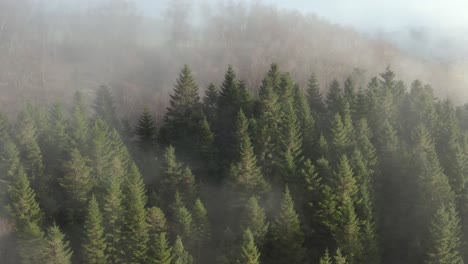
x=181, y=256
x=210, y=103
x=287, y=235
x=94, y=244
x=101, y=152
x=172, y=171
x=162, y=250
x=249, y=253
x=56, y=249
x=183, y=223
x=326, y=259
x=315, y=98
x=146, y=131
x=23, y=208
x=77, y=184
x=254, y=219
x=335, y=98
x=113, y=213
x=79, y=127
x=445, y=239
x=201, y=226
x=339, y=258
x=340, y=139
x=306, y=121
x=183, y=117
x=135, y=229
x=245, y=177
x=104, y=107
x=157, y=224
x=230, y=101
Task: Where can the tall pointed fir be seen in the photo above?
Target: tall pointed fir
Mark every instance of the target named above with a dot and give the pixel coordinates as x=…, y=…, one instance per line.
x=287, y=237
x=232, y=98
x=201, y=228
x=249, y=253
x=445, y=242
x=113, y=214
x=183, y=116
x=254, y=219
x=79, y=126
x=56, y=249
x=183, y=223
x=163, y=251
x=210, y=104
x=77, y=184
x=135, y=229
x=334, y=98
x=94, y=244
x=157, y=225
x=104, y=107
x=146, y=131
x=245, y=178
x=307, y=123
x=315, y=99
x=181, y=256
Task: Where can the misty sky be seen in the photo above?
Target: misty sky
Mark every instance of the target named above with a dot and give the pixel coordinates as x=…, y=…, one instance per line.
x=370, y=15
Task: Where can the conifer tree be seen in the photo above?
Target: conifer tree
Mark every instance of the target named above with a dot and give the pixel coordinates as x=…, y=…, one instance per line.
x=183, y=223
x=181, y=256
x=326, y=259
x=245, y=177
x=79, y=127
x=230, y=101
x=135, y=229
x=172, y=173
x=340, y=139
x=335, y=98
x=77, y=184
x=287, y=235
x=146, y=131
x=113, y=213
x=201, y=226
x=315, y=99
x=249, y=253
x=104, y=107
x=210, y=104
x=307, y=123
x=162, y=250
x=157, y=224
x=24, y=209
x=339, y=258
x=254, y=219
x=56, y=249
x=445, y=239
x=94, y=244
x=101, y=152
x=4, y=127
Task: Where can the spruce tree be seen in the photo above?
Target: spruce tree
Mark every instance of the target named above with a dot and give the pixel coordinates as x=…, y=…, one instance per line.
x=113, y=214
x=335, y=98
x=146, y=131
x=245, y=179
x=445, y=239
x=287, y=236
x=181, y=256
x=210, y=104
x=135, y=229
x=315, y=99
x=56, y=249
x=326, y=259
x=254, y=219
x=306, y=122
x=94, y=244
x=77, y=183
x=183, y=223
x=201, y=226
x=79, y=126
x=249, y=253
x=104, y=107
x=162, y=250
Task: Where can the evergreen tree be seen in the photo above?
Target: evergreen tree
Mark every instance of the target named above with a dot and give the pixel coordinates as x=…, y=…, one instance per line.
x=254, y=219
x=94, y=244
x=249, y=253
x=135, y=229
x=210, y=103
x=146, y=131
x=287, y=236
x=183, y=223
x=201, y=226
x=79, y=127
x=113, y=213
x=326, y=259
x=56, y=249
x=339, y=258
x=245, y=177
x=77, y=184
x=445, y=237
x=306, y=122
x=315, y=98
x=181, y=256
x=104, y=107
x=162, y=250
x=335, y=98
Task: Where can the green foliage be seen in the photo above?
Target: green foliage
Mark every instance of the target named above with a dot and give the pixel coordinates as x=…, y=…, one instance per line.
x=287, y=236
x=146, y=131
x=104, y=107
x=249, y=253
x=254, y=220
x=181, y=256
x=56, y=249
x=94, y=244
x=162, y=250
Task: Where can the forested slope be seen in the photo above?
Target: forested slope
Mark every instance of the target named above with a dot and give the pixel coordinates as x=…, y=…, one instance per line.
x=371, y=175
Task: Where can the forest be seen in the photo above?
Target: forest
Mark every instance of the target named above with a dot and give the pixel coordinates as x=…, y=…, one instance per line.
x=374, y=174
